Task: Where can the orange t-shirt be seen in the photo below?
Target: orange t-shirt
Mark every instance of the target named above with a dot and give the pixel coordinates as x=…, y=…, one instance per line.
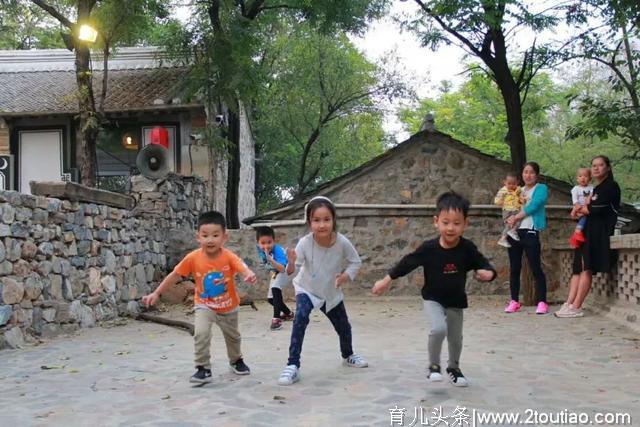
x=215, y=286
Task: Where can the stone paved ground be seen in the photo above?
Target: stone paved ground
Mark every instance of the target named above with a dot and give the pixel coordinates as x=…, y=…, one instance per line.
x=137, y=374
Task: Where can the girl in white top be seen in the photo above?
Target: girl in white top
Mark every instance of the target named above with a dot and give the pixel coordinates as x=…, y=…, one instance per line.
x=323, y=261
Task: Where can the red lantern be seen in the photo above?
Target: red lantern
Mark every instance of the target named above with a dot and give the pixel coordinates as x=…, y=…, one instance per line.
x=159, y=136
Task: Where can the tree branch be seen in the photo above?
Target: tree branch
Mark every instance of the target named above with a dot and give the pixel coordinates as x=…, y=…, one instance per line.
x=54, y=12
x=254, y=10
x=450, y=30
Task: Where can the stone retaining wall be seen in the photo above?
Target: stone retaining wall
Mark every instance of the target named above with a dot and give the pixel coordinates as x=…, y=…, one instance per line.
x=66, y=264
x=617, y=294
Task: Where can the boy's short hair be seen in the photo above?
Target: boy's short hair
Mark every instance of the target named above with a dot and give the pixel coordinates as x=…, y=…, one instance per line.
x=452, y=201
x=265, y=230
x=212, y=217
x=512, y=174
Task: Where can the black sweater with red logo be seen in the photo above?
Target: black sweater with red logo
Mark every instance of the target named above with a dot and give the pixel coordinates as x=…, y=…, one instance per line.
x=445, y=270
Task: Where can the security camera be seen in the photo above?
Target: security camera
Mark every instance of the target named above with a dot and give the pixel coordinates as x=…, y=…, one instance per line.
x=195, y=137
x=219, y=119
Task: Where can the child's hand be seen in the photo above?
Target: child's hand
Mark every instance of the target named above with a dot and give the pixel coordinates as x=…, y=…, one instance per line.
x=151, y=299
x=250, y=277
x=484, y=275
x=291, y=256
x=378, y=288
x=341, y=278
x=381, y=286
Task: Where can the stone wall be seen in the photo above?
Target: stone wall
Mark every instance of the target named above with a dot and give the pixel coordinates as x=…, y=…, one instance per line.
x=67, y=264
x=382, y=236
x=616, y=294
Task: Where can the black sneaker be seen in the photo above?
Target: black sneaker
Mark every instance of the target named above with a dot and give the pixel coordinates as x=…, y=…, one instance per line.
x=240, y=368
x=434, y=374
x=456, y=377
x=201, y=376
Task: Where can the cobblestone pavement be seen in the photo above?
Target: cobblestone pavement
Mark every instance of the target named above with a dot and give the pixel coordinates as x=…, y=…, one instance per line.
x=137, y=374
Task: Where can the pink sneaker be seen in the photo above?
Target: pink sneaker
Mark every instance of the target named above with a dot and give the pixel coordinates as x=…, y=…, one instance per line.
x=512, y=307
x=543, y=308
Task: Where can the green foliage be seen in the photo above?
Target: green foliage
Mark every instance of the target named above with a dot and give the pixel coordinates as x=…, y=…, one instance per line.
x=321, y=99
x=130, y=22
x=614, y=46
x=485, y=29
x=474, y=115
x=24, y=25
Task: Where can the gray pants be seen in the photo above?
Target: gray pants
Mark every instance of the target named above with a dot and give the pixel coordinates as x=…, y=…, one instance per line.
x=444, y=322
x=506, y=214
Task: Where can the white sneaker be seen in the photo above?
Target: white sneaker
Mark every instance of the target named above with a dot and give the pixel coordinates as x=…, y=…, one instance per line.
x=514, y=235
x=571, y=312
x=435, y=374
x=565, y=306
x=504, y=242
x=355, y=361
x=456, y=377
x=289, y=375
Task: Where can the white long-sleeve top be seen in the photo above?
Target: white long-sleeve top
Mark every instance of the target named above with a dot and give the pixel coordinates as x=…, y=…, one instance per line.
x=317, y=267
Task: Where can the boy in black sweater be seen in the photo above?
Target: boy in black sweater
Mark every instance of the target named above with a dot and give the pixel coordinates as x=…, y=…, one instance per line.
x=445, y=261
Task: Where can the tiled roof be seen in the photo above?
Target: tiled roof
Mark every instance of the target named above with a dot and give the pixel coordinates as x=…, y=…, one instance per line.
x=53, y=92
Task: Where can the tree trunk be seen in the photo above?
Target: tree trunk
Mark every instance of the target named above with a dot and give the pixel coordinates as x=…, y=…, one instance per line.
x=529, y=294
x=515, y=134
x=87, y=132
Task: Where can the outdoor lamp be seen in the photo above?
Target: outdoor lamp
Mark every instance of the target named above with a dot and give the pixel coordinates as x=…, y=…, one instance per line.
x=129, y=142
x=87, y=34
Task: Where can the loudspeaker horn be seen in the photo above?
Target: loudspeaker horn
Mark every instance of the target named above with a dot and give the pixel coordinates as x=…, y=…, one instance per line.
x=153, y=162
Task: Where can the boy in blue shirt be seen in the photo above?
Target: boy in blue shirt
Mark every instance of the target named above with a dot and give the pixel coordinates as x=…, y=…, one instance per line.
x=274, y=259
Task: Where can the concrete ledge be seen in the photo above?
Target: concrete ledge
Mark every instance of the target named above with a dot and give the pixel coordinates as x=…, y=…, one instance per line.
x=625, y=241
x=77, y=192
x=620, y=241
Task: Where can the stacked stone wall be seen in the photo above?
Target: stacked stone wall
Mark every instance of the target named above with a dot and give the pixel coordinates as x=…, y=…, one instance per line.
x=68, y=264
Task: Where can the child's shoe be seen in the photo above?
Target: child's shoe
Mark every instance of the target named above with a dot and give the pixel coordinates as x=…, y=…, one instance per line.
x=571, y=312
x=542, y=308
x=512, y=307
x=276, y=324
x=434, y=375
x=289, y=375
x=202, y=375
x=355, y=361
x=287, y=317
x=504, y=242
x=240, y=368
x=563, y=309
x=456, y=377
x=514, y=235
x=576, y=239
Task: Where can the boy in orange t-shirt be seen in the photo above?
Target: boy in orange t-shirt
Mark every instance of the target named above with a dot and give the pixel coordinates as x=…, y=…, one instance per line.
x=213, y=268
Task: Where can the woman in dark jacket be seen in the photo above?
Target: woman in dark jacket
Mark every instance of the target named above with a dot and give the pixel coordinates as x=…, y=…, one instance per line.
x=594, y=255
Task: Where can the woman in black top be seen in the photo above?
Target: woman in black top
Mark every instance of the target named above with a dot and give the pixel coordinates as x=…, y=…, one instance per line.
x=594, y=255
